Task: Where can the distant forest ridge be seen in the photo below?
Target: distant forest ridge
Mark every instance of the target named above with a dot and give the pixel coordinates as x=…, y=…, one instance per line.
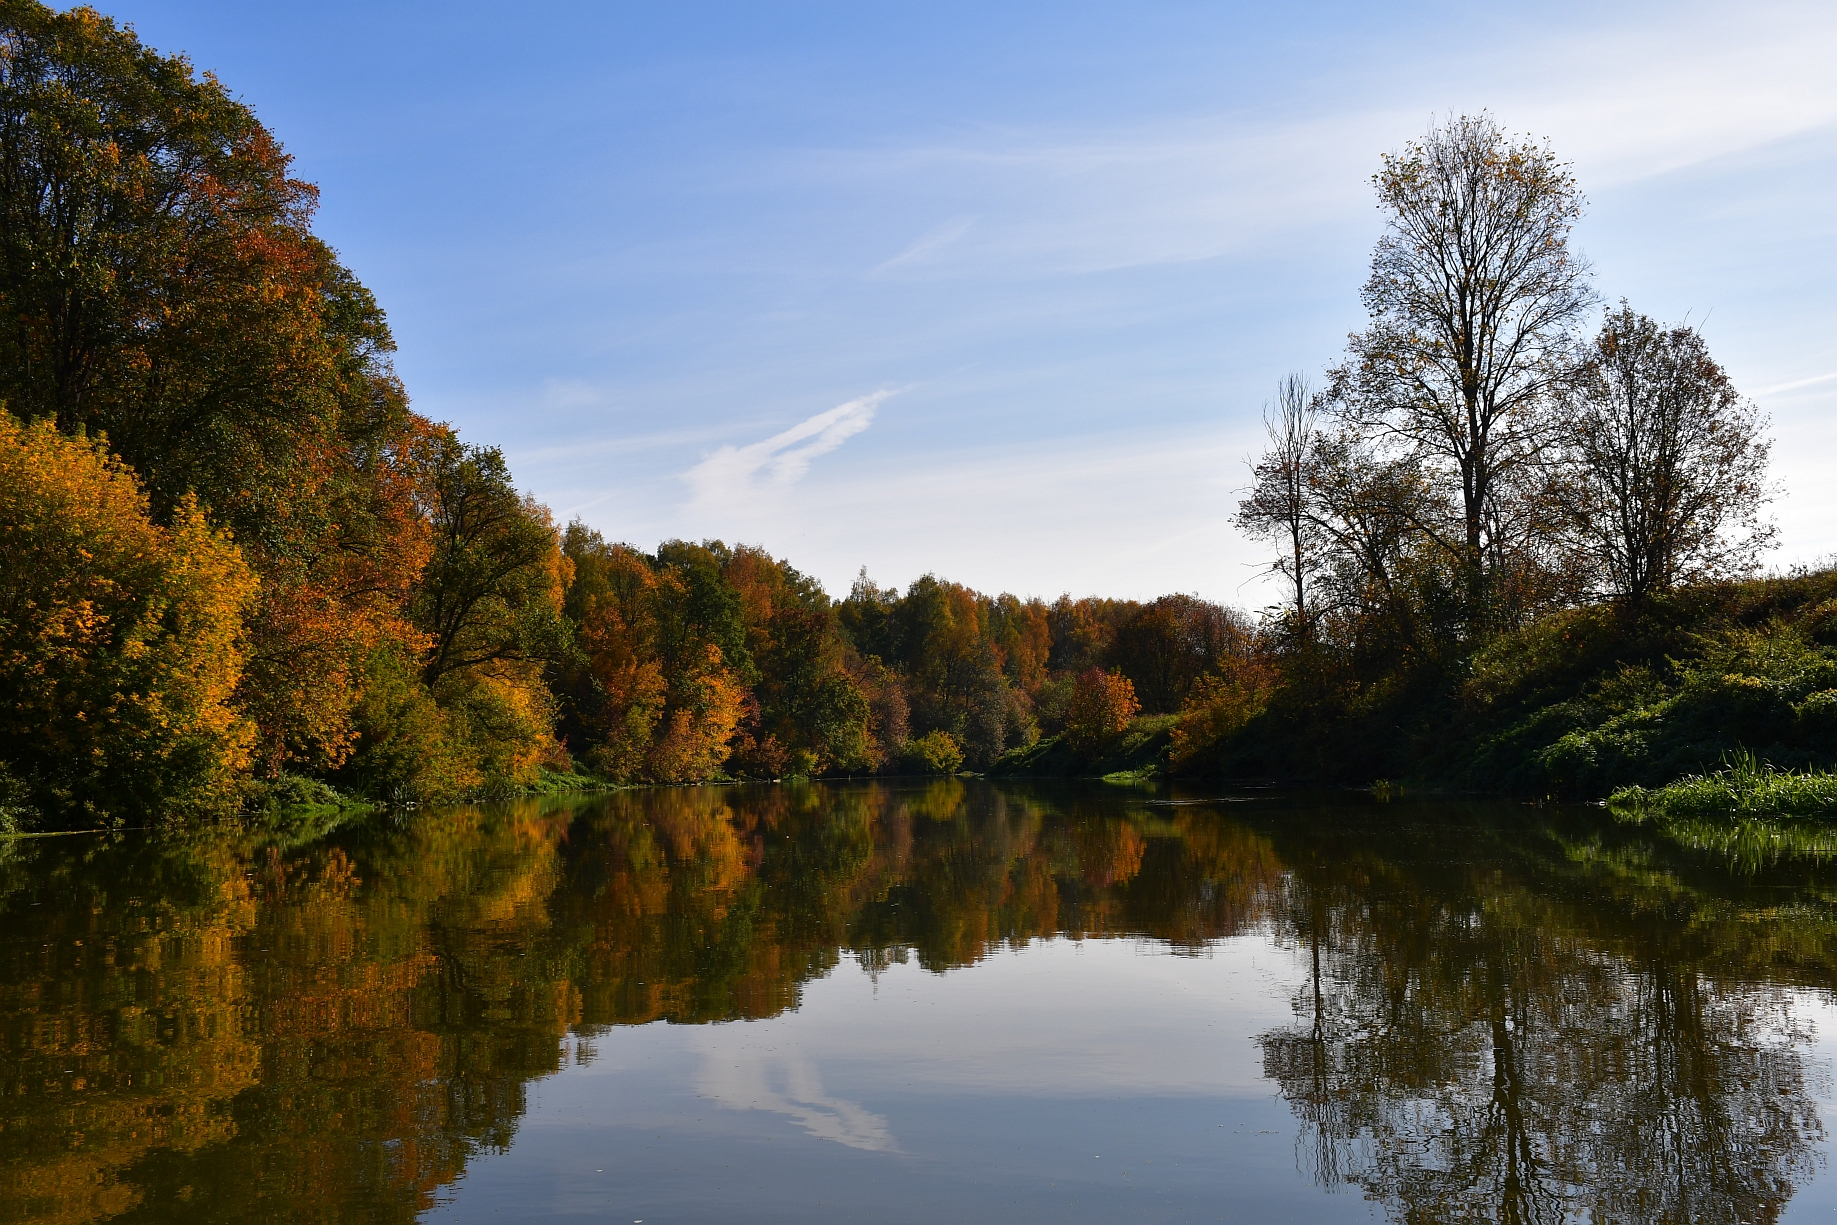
x=238, y=567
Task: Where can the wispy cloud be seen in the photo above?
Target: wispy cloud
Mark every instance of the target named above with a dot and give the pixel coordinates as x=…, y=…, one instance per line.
x=1777, y=388
x=927, y=246
x=781, y=460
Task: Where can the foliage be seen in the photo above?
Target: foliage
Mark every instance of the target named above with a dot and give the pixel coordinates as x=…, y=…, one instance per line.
x=410, y=747
x=492, y=590
x=1102, y=706
x=296, y=797
x=160, y=285
x=121, y=641
x=934, y=753
x=705, y=709
x=1219, y=706
x=1665, y=471
x=1169, y=644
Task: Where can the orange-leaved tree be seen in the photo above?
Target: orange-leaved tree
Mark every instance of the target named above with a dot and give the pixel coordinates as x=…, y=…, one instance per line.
x=121, y=640
x=1102, y=705
x=705, y=710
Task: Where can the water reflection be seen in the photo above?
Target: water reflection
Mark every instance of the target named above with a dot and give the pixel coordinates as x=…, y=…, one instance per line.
x=1508, y=1014
x=1473, y=1046
x=790, y=1085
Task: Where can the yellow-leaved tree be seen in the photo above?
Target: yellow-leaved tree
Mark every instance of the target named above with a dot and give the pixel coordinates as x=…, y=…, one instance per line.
x=121, y=640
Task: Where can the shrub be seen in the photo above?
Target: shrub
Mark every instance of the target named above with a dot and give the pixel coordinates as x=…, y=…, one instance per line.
x=409, y=748
x=121, y=641
x=934, y=753
x=1219, y=706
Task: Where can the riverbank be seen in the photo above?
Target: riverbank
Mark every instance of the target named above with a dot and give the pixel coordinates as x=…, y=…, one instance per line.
x=1652, y=704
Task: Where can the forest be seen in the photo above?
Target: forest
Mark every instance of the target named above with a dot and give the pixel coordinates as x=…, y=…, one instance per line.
x=1519, y=536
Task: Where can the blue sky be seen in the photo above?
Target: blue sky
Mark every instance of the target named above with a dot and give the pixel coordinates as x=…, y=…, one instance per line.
x=997, y=290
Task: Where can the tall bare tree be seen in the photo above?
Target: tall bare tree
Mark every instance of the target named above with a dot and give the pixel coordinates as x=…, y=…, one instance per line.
x=1663, y=477
x=1473, y=298
x=1277, y=508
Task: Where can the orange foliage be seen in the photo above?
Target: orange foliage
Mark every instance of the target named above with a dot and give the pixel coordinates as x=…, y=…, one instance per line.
x=1022, y=633
x=120, y=640
x=700, y=726
x=1102, y=705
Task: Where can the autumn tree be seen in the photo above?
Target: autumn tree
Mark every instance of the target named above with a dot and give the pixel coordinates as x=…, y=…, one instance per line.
x=1170, y=643
x=613, y=684
x=160, y=285
x=1473, y=296
x=1280, y=507
x=121, y=640
x=1102, y=706
x=1663, y=474
x=809, y=703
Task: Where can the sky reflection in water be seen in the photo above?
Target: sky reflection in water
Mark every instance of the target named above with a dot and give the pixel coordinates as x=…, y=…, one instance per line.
x=917, y=1002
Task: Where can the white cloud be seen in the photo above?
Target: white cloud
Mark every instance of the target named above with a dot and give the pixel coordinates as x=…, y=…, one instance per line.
x=1795, y=385
x=748, y=1078
x=1626, y=99
x=729, y=476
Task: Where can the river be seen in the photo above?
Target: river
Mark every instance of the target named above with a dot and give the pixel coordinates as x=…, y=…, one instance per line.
x=919, y=1001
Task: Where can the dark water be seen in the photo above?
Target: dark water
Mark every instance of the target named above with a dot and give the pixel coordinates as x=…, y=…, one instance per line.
x=942, y=1002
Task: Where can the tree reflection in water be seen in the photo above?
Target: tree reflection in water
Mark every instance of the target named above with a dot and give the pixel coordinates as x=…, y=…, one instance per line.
x=1582, y=1020
x=1479, y=1045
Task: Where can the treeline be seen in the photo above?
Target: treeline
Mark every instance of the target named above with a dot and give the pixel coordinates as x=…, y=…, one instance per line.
x=704, y=661
x=232, y=554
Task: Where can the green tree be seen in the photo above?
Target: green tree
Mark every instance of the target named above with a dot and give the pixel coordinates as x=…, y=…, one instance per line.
x=492, y=590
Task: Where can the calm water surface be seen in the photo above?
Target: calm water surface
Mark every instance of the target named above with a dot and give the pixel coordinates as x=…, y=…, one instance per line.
x=950, y=1001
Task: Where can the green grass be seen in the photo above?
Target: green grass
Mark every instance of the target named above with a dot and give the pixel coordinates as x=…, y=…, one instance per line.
x=553, y=782
x=1140, y=747
x=1744, y=787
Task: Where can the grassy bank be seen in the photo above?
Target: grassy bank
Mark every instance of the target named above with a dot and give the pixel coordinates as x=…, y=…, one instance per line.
x=1746, y=787
x=1141, y=749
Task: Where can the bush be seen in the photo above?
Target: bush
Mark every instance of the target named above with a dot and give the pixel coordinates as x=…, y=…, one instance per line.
x=1218, y=707
x=934, y=753
x=408, y=747
x=294, y=795
x=121, y=641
